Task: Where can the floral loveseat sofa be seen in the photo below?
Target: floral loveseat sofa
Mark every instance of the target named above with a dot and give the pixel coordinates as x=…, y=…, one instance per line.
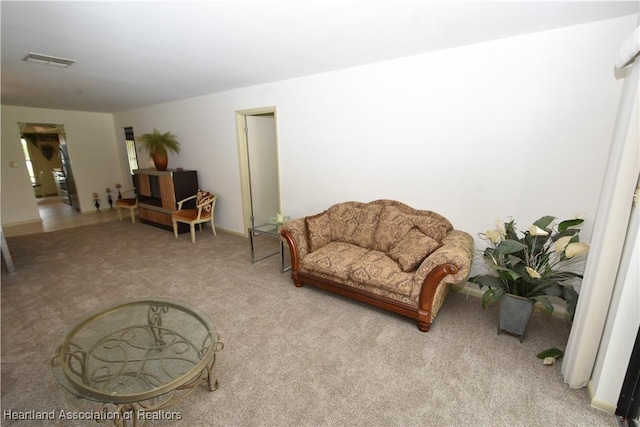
x=383, y=253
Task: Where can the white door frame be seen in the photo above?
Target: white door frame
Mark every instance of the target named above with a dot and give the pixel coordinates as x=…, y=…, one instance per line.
x=243, y=157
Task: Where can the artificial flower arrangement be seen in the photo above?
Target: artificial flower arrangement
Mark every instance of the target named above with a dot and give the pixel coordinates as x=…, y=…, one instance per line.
x=546, y=260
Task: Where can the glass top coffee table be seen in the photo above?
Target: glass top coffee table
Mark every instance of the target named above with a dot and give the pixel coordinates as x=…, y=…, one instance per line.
x=139, y=356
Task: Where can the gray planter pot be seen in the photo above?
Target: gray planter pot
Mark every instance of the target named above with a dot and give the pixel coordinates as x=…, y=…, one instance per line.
x=514, y=313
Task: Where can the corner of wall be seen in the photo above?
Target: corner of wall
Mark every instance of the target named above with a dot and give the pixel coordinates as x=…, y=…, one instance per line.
x=607, y=407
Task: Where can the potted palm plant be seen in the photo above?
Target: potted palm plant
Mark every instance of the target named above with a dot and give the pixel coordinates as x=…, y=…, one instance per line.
x=158, y=145
x=528, y=267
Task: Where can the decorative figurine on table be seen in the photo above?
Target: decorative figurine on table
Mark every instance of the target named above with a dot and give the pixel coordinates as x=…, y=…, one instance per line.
x=96, y=201
x=118, y=186
x=279, y=219
x=109, y=199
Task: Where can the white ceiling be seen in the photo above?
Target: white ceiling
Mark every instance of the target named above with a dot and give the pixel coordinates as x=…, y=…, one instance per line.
x=134, y=54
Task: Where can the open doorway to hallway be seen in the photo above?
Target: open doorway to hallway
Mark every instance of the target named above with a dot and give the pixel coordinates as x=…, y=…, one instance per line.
x=259, y=165
x=56, y=215
x=48, y=162
x=260, y=179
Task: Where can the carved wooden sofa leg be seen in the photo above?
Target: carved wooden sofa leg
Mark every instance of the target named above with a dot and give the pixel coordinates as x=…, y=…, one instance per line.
x=296, y=280
x=424, y=321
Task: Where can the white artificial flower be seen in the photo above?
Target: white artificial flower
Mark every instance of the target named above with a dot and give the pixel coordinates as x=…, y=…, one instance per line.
x=562, y=243
x=576, y=249
x=532, y=273
x=534, y=230
x=501, y=229
x=578, y=216
x=494, y=236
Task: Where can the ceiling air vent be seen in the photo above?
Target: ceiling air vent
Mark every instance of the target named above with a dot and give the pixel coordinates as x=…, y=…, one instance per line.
x=37, y=58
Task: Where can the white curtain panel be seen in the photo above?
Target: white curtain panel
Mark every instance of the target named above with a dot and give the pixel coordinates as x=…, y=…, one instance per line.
x=629, y=50
x=608, y=234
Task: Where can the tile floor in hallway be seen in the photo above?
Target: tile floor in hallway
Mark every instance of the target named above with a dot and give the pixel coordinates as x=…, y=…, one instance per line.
x=57, y=215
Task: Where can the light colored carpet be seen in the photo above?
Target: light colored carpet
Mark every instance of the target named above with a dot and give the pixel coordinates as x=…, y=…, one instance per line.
x=292, y=357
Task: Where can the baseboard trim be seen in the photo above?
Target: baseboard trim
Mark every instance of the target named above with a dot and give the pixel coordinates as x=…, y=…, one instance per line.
x=600, y=404
x=467, y=288
x=17, y=224
x=234, y=233
x=472, y=290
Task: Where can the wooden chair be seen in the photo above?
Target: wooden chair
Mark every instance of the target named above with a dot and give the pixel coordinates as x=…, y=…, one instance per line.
x=130, y=203
x=205, y=205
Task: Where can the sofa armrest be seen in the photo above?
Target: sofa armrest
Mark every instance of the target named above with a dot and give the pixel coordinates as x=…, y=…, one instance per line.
x=294, y=233
x=457, y=249
x=449, y=264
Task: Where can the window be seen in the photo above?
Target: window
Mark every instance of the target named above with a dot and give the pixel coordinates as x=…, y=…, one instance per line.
x=132, y=155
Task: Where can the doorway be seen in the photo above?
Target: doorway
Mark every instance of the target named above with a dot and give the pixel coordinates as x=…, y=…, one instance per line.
x=259, y=166
x=48, y=163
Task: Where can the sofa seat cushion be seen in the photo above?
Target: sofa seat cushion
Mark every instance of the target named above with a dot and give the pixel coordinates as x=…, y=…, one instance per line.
x=335, y=258
x=354, y=222
x=377, y=269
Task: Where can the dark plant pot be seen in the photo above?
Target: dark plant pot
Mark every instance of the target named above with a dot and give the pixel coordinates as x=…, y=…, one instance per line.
x=161, y=161
x=514, y=313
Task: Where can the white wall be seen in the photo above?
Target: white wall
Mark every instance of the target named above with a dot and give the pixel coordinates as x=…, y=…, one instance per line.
x=517, y=127
x=92, y=148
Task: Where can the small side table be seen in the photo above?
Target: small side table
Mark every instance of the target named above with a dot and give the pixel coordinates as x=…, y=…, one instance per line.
x=270, y=228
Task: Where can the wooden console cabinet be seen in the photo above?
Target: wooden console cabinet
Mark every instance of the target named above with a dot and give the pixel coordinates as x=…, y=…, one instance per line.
x=158, y=194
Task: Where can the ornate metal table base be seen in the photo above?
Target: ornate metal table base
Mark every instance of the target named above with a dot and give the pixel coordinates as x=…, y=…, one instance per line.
x=137, y=413
x=138, y=359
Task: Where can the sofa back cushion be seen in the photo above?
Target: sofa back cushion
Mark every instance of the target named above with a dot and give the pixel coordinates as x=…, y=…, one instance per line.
x=397, y=219
x=354, y=222
x=375, y=225
x=318, y=229
x=392, y=227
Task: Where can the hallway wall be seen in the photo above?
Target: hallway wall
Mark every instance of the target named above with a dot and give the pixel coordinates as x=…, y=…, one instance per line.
x=94, y=156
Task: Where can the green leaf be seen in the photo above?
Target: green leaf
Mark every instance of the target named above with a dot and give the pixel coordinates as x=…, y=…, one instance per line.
x=545, y=303
x=544, y=222
x=561, y=276
x=514, y=260
x=509, y=247
x=491, y=296
x=508, y=274
x=568, y=232
x=554, y=290
x=571, y=297
x=487, y=280
x=536, y=244
x=550, y=352
x=568, y=224
x=156, y=142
